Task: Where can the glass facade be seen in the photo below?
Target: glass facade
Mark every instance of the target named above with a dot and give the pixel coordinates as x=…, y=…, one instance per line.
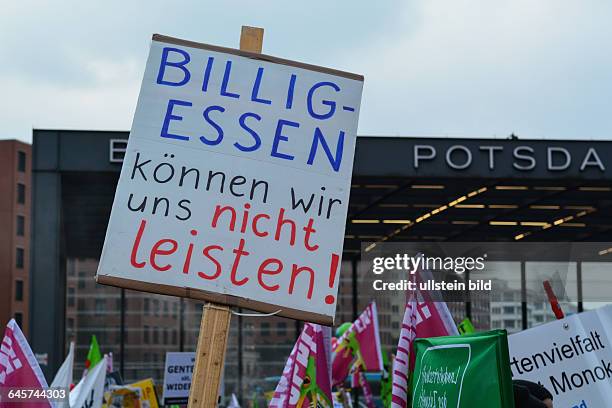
x=139, y=328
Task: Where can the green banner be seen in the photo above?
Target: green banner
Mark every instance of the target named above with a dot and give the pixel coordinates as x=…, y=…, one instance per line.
x=466, y=371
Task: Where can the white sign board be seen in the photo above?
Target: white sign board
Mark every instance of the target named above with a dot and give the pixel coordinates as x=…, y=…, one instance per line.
x=235, y=184
x=571, y=357
x=177, y=377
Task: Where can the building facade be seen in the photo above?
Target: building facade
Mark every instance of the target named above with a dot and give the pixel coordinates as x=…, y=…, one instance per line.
x=403, y=190
x=15, y=200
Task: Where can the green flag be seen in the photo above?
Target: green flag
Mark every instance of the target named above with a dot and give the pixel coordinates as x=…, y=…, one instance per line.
x=466, y=327
x=93, y=356
x=466, y=371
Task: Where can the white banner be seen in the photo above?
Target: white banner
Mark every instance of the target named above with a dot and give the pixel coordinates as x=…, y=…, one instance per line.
x=235, y=181
x=571, y=357
x=177, y=377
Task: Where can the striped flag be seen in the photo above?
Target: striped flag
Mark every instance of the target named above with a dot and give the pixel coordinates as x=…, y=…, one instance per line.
x=423, y=317
x=401, y=363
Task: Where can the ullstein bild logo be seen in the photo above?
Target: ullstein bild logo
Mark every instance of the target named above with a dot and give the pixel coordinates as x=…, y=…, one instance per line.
x=411, y=264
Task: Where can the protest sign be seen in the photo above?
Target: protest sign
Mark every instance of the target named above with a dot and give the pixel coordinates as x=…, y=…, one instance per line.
x=147, y=392
x=139, y=394
x=463, y=371
x=571, y=357
x=235, y=183
x=178, y=372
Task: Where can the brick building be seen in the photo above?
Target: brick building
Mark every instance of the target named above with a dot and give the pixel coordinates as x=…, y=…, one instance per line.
x=15, y=187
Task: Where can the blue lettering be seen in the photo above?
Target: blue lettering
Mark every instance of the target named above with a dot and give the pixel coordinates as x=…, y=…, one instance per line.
x=256, y=85
x=254, y=134
x=331, y=104
x=212, y=123
x=209, y=65
x=170, y=116
x=180, y=65
x=290, y=91
x=278, y=137
x=226, y=78
x=334, y=161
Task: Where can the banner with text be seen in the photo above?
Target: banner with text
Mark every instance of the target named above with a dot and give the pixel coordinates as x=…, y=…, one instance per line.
x=235, y=183
x=571, y=357
x=178, y=372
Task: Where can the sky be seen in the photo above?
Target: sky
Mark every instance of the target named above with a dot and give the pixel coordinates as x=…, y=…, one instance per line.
x=459, y=68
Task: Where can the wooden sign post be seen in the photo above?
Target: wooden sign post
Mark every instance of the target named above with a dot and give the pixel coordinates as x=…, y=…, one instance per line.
x=214, y=328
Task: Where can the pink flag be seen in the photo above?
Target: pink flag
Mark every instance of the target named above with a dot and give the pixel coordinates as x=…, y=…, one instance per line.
x=305, y=379
x=358, y=380
x=367, y=392
x=423, y=317
x=359, y=346
x=18, y=366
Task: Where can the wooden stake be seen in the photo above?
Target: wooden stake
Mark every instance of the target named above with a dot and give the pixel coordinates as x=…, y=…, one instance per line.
x=251, y=39
x=214, y=328
x=210, y=356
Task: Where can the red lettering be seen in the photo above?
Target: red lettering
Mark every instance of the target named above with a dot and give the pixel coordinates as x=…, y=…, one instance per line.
x=295, y=271
x=245, y=218
x=207, y=254
x=256, y=229
x=141, y=229
x=157, y=250
x=220, y=210
x=263, y=270
x=309, y=230
x=239, y=252
x=279, y=225
x=187, y=262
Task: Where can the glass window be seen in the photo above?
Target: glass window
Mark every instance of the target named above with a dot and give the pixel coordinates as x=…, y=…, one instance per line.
x=145, y=335
x=563, y=279
x=265, y=329
x=19, y=319
x=20, y=226
x=19, y=258
x=21, y=161
x=82, y=278
x=21, y=193
x=19, y=290
x=99, y=306
x=281, y=328
x=71, y=296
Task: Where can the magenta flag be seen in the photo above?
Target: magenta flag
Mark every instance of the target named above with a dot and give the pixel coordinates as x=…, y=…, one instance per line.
x=423, y=317
x=18, y=366
x=305, y=380
x=359, y=346
x=367, y=391
x=358, y=380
